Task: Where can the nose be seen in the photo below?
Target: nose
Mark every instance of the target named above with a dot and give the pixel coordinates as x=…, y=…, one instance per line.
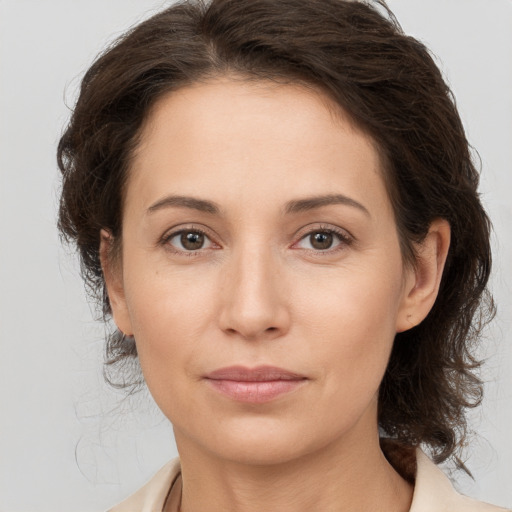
x=254, y=302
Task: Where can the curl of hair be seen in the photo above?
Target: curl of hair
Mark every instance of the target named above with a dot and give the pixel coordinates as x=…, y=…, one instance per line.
x=389, y=86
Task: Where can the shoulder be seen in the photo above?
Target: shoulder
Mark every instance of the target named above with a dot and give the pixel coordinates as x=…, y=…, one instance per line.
x=152, y=496
x=433, y=492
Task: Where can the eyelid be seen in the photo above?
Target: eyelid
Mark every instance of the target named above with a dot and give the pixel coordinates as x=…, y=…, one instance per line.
x=345, y=238
x=190, y=228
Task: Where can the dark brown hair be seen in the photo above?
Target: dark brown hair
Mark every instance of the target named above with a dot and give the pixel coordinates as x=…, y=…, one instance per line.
x=390, y=87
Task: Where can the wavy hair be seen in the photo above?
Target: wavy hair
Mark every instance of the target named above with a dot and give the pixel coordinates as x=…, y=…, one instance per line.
x=389, y=86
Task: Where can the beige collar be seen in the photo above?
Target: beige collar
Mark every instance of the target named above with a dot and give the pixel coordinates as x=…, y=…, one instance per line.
x=433, y=491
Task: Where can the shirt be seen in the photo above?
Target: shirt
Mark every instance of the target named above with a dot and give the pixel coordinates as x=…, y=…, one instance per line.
x=433, y=492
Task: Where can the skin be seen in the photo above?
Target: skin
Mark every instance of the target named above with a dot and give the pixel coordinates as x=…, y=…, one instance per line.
x=261, y=292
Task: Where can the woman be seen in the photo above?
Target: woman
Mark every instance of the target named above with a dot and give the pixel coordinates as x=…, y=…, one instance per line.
x=277, y=204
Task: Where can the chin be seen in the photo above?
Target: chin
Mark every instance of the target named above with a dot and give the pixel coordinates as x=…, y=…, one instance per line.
x=261, y=452
x=264, y=442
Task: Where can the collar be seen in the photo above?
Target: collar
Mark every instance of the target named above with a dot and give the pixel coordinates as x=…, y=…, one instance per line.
x=433, y=491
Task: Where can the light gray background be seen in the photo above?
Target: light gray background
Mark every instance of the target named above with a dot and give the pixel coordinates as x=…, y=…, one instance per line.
x=67, y=442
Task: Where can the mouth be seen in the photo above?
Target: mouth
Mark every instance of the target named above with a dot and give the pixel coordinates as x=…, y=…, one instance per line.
x=254, y=385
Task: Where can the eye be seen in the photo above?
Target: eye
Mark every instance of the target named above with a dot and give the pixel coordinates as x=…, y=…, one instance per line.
x=189, y=240
x=323, y=240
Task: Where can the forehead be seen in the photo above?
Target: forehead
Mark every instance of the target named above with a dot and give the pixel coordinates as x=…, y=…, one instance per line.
x=225, y=136
x=237, y=100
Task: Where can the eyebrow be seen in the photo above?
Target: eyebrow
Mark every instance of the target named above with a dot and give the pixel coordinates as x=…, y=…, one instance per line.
x=311, y=203
x=295, y=206
x=193, y=203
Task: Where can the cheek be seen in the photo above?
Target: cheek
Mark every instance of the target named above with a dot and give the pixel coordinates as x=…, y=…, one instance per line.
x=167, y=329
x=170, y=313
x=168, y=299
x=355, y=301
x=351, y=319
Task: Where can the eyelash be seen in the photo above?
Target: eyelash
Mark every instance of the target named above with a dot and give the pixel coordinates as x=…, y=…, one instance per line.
x=345, y=240
x=168, y=237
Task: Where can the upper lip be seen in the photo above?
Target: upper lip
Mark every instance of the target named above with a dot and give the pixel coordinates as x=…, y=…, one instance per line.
x=257, y=374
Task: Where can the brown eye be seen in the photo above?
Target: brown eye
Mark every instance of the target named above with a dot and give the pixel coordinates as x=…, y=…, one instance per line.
x=322, y=240
x=192, y=241
x=189, y=241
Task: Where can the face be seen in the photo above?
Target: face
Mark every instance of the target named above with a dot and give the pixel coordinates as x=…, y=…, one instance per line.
x=261, y=272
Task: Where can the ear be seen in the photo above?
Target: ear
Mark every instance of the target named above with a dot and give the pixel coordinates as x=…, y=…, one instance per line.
x=422, y=282
x=112, y=272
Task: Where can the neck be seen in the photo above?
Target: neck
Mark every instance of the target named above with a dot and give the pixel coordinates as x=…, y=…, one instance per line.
x=351, y=477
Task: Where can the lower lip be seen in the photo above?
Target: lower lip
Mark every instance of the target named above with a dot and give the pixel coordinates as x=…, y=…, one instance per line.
x=255, y=392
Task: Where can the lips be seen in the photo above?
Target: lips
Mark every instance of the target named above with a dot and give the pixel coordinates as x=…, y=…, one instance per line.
x=254, y=385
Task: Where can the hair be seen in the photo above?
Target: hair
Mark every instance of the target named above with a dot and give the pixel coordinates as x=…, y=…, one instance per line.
x=389, y=86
